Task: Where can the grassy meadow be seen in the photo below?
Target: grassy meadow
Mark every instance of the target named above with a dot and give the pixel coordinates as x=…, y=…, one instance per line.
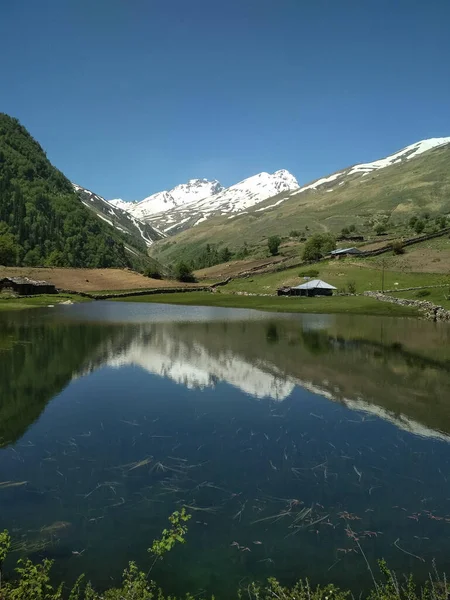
x=20, y=303
x=337, y=304
x=364, y=274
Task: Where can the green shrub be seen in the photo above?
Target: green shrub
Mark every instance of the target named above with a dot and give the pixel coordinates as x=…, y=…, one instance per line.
x=422, y=293
x=242, y=252
x=380, y=229
x=273, y=243
x=309, y=273
x=413, y=221
x=441, y=222
x=152, y=273
x=419, y=227
x=397, y=247
x=318, y=246
x=183, y=272
x=351, y=287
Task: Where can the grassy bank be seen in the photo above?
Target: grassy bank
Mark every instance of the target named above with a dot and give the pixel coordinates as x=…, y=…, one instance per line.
x=439, y=296
x=336, y=304
x=20, y=303
x=364, y=274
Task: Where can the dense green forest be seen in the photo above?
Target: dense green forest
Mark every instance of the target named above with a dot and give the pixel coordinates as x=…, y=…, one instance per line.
x=42, y=221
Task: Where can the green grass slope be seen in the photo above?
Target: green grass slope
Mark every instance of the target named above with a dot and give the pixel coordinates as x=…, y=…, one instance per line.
x=391, y=194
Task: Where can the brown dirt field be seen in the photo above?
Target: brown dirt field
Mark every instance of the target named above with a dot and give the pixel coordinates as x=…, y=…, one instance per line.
x=235, y=267
x=91, y=280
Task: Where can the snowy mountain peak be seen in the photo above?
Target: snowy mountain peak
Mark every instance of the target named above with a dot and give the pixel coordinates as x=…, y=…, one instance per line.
x=286, y=177
x=190, y=203
x=186, y=193
x=230, y=201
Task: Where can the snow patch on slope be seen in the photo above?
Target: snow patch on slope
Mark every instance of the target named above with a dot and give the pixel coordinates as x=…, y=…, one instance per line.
x=405, y=154
x=364, y=169
x=115, y=216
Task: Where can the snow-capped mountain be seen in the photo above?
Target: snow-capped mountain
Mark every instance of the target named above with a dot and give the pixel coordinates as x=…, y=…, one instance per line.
x=200, y=199
x=117, y=217
x=181, y=195
x=364, y=169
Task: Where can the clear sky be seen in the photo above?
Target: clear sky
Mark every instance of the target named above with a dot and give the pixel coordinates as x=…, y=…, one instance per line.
x=130, y=97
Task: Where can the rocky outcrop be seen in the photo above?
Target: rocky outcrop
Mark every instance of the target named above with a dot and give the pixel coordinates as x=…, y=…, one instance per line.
x=429, y=311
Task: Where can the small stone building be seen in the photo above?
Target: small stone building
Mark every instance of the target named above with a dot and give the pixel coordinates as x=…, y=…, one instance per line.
x=23, y=286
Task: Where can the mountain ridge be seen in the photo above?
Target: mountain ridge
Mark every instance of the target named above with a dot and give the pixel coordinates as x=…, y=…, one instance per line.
x=181, y=195
x=188, y=204
x=405, y=183
x=117, y=217
x=179, y=209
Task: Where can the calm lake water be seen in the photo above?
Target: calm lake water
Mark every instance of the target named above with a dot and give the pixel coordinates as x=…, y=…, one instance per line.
x=296, y=442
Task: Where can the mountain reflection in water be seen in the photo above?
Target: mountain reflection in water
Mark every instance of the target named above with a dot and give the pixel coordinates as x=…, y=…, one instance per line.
x=299, y=432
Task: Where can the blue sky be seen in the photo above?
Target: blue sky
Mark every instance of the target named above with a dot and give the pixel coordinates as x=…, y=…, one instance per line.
x=129, y=97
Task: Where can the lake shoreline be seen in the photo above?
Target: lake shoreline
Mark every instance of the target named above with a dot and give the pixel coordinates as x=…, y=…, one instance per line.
x=39, y=301
x=358, y=305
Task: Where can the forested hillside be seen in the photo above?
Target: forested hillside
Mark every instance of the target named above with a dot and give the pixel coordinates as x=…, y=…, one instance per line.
x=42, y=221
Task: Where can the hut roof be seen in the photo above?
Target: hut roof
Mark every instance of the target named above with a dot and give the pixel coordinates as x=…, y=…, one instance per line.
x=25, y=281
x=314, y=284
x=346, y=250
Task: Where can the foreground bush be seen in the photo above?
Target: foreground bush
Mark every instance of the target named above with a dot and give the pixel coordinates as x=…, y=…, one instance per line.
x=33, y=580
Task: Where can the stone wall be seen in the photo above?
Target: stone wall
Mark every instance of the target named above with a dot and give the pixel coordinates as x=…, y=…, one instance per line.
x=419, y=287
x=429, y=311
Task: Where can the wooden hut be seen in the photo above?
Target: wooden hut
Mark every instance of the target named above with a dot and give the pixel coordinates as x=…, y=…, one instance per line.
x=342, y=252
x=23, y=286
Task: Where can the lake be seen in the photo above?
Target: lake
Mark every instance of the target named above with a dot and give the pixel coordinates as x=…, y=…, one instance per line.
x=301, y=445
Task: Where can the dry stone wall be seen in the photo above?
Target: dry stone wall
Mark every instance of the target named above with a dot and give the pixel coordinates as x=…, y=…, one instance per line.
x=430, y=311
